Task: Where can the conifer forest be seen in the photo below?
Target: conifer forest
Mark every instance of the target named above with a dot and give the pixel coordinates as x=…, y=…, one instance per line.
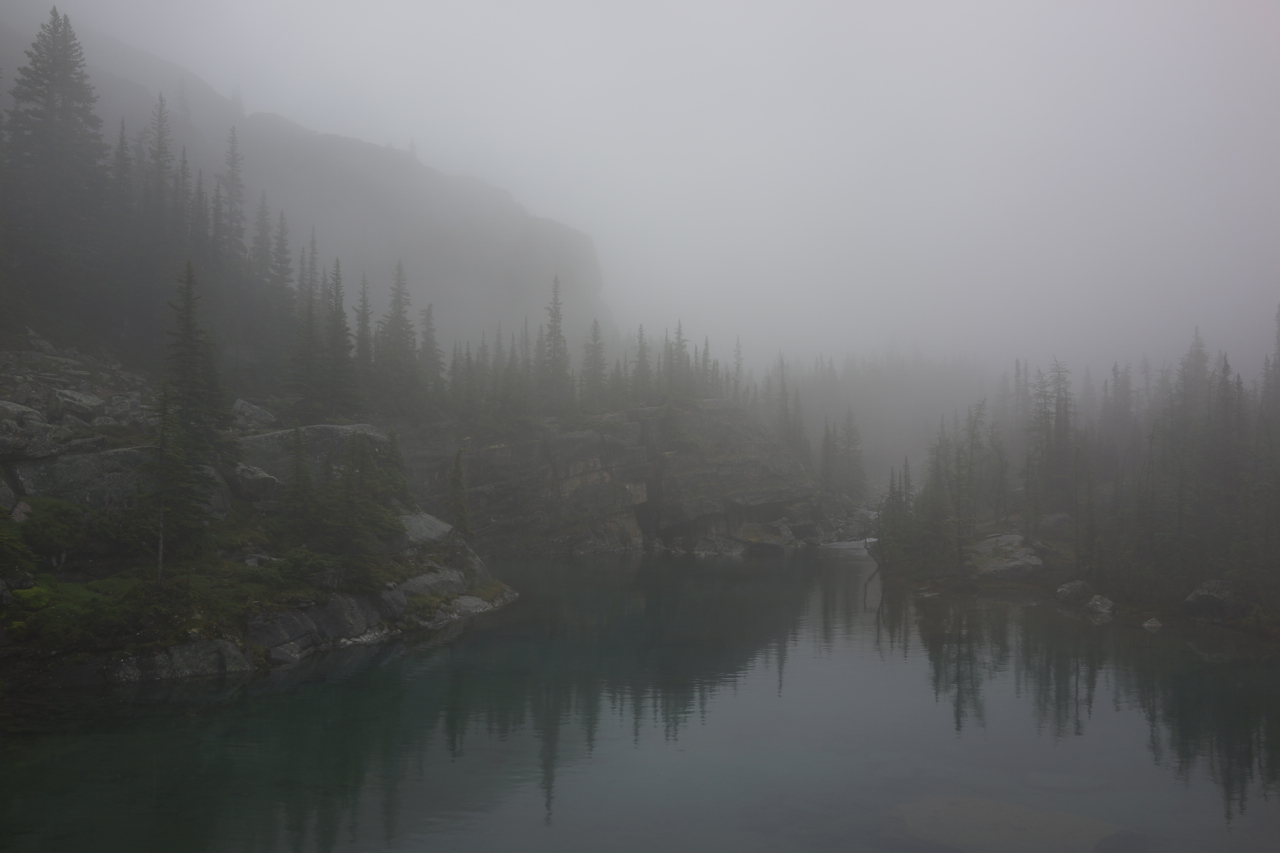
x=831, y=426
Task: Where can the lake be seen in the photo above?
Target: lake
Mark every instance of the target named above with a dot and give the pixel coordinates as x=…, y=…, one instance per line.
x=643, y=705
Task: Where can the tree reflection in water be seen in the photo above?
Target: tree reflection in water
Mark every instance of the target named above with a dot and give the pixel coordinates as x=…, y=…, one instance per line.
x=1220, y=707
x=358, y=748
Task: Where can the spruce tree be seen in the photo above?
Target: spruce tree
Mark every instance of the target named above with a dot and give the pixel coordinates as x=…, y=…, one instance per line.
x=53, y=142
x=364, y=335
x=557, y=385
x=456, y=504
x=641, y=374
x=199, y=403
x=339, y=394
x=431, y=358
x=593, y=369
x=156, y=185
x=232, y=183
x=397, y=348
x=260, y=246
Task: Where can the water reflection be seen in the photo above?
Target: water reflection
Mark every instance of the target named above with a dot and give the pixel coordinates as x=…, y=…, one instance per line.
x=386, y=748
x=1209, y=696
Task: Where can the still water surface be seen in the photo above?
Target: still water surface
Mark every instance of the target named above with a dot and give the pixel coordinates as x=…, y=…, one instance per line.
x=650, y=706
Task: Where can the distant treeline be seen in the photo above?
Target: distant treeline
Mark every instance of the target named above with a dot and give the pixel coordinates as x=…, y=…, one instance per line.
x=1166, y=482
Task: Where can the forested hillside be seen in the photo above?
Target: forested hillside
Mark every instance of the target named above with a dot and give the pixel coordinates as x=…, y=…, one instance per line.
x=466, y=247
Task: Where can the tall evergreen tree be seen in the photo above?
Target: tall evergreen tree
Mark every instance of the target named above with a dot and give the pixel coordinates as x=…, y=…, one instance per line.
x=397, y=347
x=364, y=335
x=431, y=358
x=593, y=369
x=339, y=394
x=641, y=374
x=557, y=385
x=232, y=183
x=53, y=141
x=199, y=403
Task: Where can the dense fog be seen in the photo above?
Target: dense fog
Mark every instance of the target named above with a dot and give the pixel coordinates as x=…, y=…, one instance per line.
x=991, y=180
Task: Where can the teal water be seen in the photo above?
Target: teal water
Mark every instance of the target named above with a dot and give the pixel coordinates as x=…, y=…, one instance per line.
x=656, y=706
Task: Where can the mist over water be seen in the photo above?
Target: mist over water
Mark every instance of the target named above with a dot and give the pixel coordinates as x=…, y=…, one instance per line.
x=1090, y=181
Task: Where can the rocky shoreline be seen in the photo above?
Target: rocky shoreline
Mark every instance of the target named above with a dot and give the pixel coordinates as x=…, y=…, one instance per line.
x=704, y=479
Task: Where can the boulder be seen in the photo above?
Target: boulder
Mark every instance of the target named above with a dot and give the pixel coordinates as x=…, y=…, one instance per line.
x=420, y=528
x=254, y=484
x=84, y=406
x=8, y=500
x=94, y=479
x=1099, y=605
x=251, y=416
x=19, y=414
x=1073, y=592
x=1216, y=601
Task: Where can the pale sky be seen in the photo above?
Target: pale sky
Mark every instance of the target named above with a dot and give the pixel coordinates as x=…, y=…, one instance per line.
x=1084, y=179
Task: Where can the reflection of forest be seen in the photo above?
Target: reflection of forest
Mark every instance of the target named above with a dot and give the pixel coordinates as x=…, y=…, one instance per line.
x=375, y=744
x=1207, y=696
x=299, y=768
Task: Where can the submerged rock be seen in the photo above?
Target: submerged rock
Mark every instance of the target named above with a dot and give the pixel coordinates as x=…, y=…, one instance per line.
x=1152, y=625
x=970, y=825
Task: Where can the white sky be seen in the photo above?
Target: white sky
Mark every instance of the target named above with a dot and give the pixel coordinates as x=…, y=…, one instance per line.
x=1090, y=179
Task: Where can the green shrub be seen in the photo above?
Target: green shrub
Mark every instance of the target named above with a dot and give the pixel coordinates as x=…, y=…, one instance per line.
x=35, y=598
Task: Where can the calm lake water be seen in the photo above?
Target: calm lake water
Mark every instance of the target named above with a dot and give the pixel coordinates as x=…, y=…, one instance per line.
x=656, y=706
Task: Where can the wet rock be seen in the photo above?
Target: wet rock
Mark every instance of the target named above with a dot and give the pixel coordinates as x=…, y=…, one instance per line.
x=1099, y=608
x=1074, y=592
x=252, y=417
x=8, y=500
x=719, y=546
x=1216, y=601
x=970, y=825
x=292, y=635
x=198, y=659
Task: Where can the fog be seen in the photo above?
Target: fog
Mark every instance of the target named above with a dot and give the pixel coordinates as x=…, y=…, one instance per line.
x=1086, y=180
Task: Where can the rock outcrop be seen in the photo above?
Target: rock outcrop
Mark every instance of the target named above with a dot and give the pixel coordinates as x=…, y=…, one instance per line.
x=1004, y=555
x=1074, y=592
x=1215, y=601
x=708, y=479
